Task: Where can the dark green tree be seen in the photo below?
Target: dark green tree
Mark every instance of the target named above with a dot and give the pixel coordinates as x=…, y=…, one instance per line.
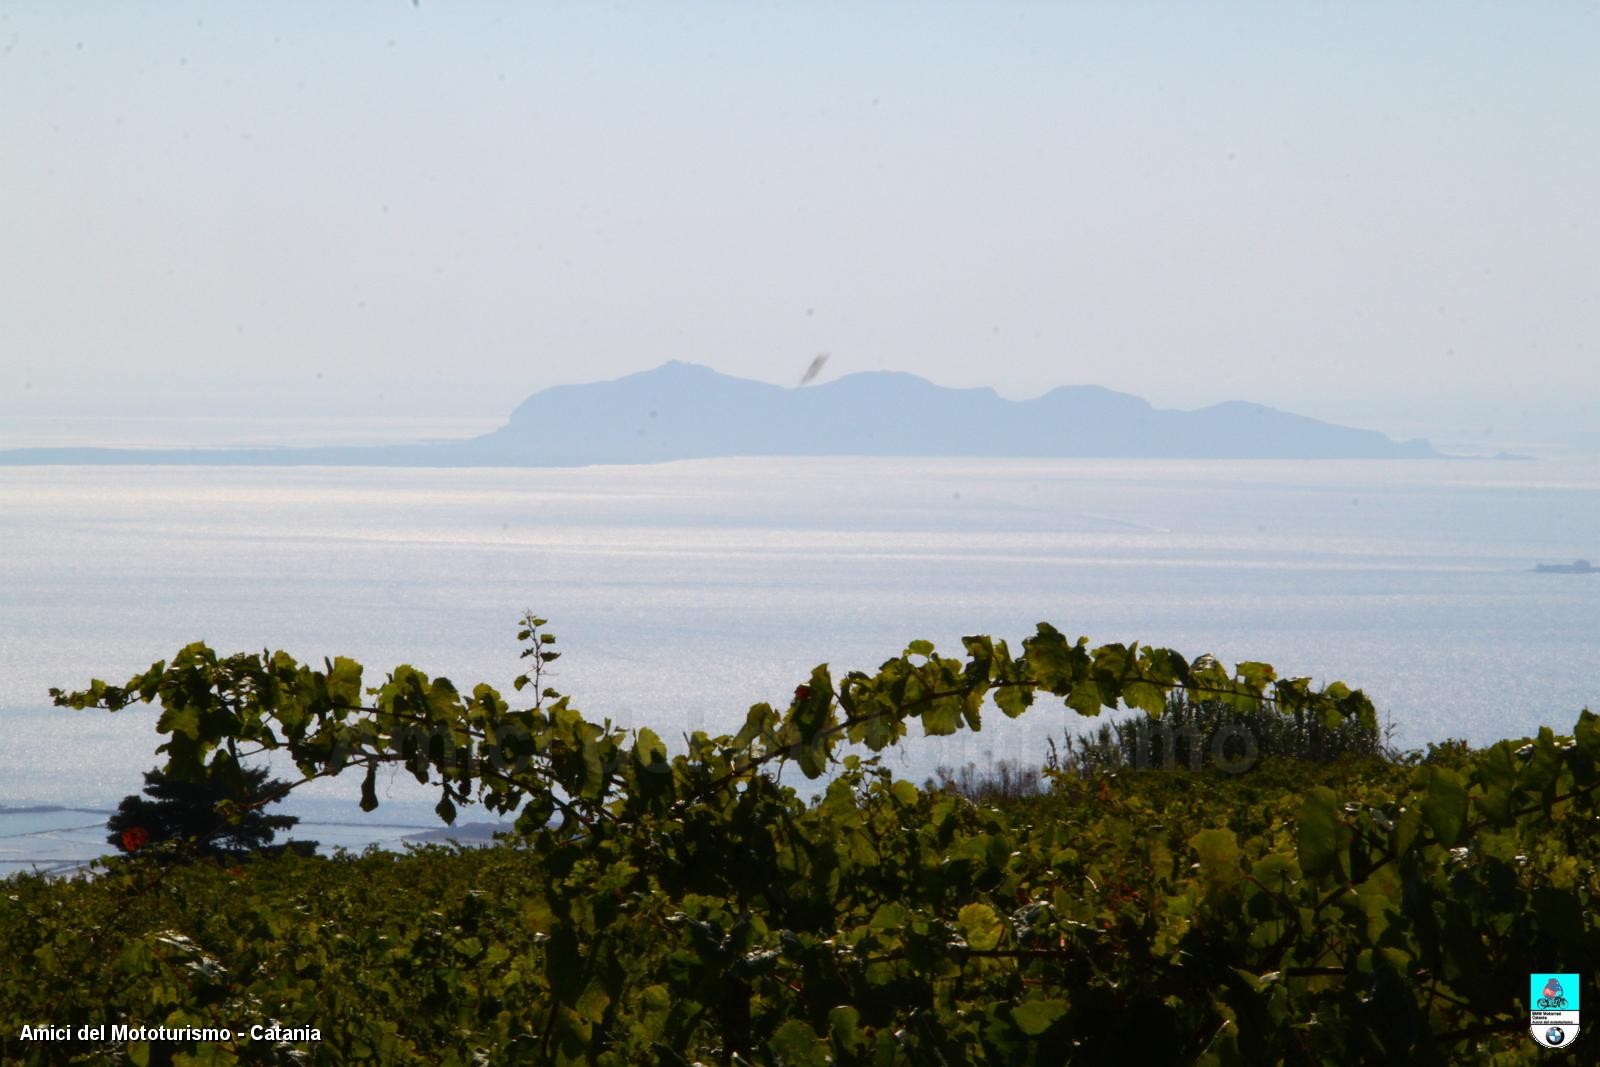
x=172, y=809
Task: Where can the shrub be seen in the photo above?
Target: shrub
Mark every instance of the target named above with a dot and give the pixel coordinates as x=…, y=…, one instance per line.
x=1207, y=733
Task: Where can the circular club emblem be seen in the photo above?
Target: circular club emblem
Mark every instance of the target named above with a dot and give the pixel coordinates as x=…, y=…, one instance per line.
x=1553, y=1009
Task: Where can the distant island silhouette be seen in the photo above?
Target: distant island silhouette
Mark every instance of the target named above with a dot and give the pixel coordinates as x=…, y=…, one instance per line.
x=687, y=411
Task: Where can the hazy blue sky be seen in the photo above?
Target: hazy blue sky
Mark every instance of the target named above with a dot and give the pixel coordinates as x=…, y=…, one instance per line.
x=1384, y=214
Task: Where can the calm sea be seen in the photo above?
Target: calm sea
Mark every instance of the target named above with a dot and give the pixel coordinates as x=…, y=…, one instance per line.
x=685, y=592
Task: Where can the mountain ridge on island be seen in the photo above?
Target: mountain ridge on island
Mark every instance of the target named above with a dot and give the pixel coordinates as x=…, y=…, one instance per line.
x=688, y=411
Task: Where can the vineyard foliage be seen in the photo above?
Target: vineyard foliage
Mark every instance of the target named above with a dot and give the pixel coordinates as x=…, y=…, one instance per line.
x=659, y=908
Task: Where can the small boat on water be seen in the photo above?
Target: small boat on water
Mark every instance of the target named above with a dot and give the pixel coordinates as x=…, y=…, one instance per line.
x=1577, y=566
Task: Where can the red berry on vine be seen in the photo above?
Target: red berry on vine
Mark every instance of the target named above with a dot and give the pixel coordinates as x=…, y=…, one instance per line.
x=134, y=838
x=802, y=693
